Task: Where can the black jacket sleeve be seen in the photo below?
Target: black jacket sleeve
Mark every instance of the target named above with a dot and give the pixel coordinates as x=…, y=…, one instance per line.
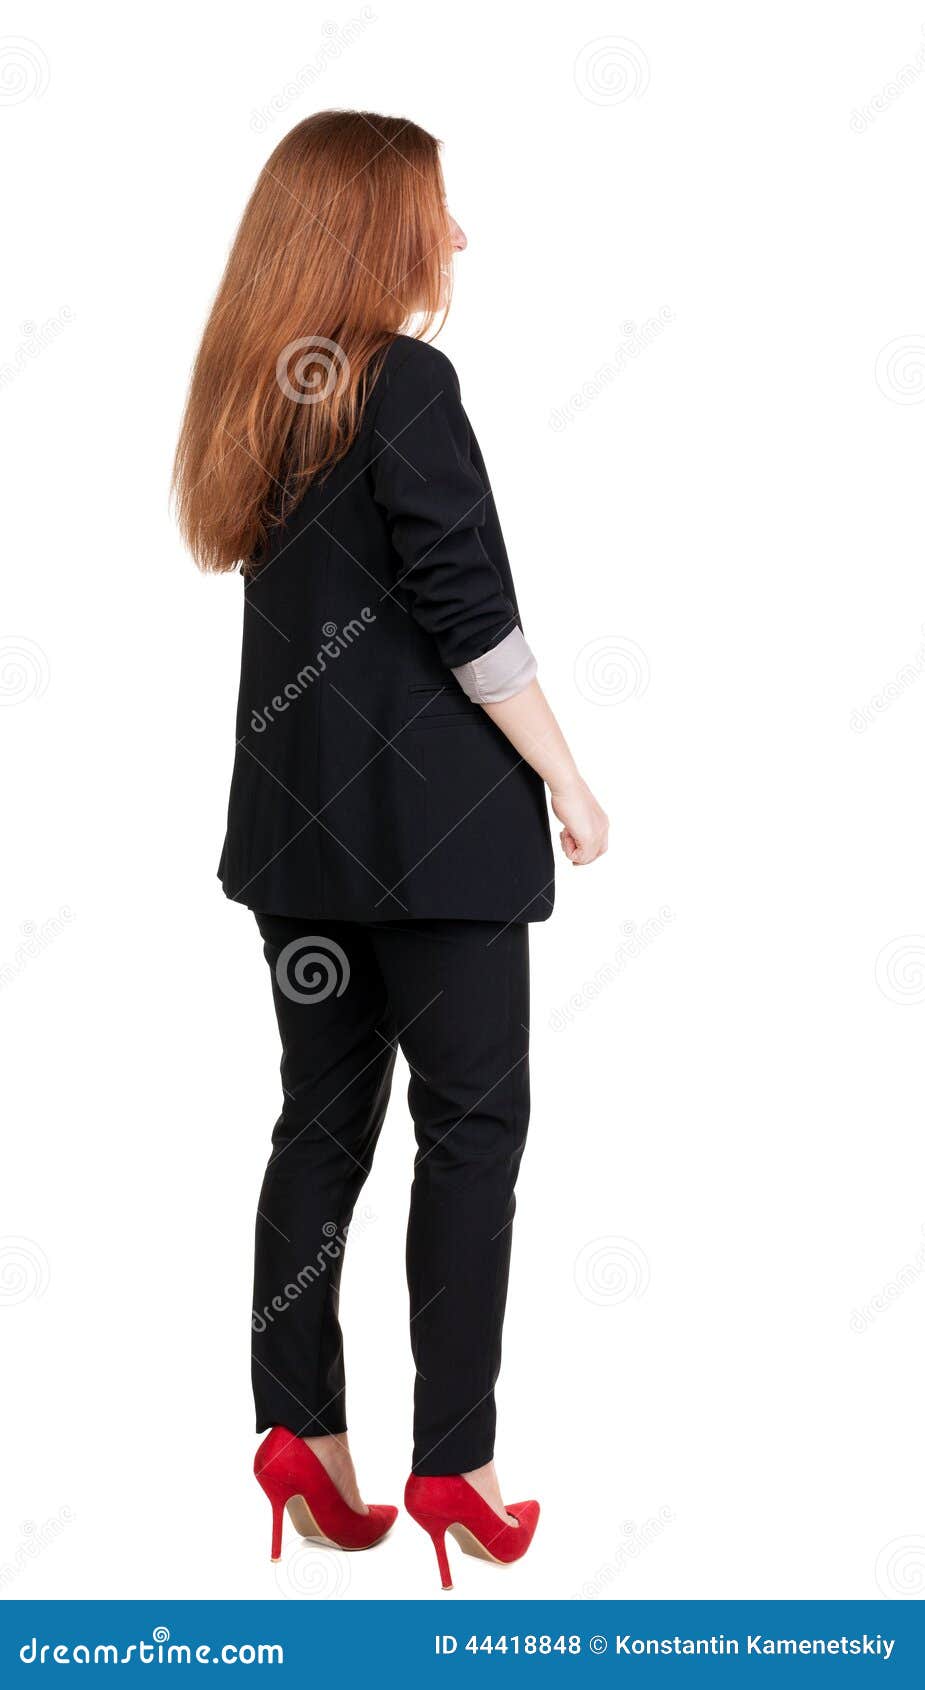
x=435, y=502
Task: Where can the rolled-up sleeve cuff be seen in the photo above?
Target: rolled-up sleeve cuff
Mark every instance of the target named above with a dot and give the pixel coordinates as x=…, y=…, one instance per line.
x=500, y=673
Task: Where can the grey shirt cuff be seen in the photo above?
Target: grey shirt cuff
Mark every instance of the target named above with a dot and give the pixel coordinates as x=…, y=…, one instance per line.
x=500, y=673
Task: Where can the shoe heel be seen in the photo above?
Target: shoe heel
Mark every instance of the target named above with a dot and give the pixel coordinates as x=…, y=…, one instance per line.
x=438, y=1539
x=447, y=1503
x=276, y=1545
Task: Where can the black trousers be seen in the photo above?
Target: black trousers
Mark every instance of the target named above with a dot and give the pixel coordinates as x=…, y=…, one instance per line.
x=453, y=996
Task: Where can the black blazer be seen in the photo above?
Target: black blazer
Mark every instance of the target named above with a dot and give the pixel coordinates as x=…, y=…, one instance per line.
x=366, y=786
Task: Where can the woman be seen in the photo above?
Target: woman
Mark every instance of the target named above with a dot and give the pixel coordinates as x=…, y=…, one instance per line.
x=387, y=821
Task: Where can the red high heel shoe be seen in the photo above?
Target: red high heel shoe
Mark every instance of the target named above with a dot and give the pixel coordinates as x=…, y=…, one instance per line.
x=289, y=1473
x=451, y=1505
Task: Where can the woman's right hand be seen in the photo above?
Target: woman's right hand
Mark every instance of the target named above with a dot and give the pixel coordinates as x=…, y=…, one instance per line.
x=585, y=828
x=527, y=721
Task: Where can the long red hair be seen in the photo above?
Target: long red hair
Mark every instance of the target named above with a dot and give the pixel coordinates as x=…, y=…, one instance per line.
x=345, y=240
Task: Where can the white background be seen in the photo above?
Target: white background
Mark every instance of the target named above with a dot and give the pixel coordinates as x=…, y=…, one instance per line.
x=719, y=560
